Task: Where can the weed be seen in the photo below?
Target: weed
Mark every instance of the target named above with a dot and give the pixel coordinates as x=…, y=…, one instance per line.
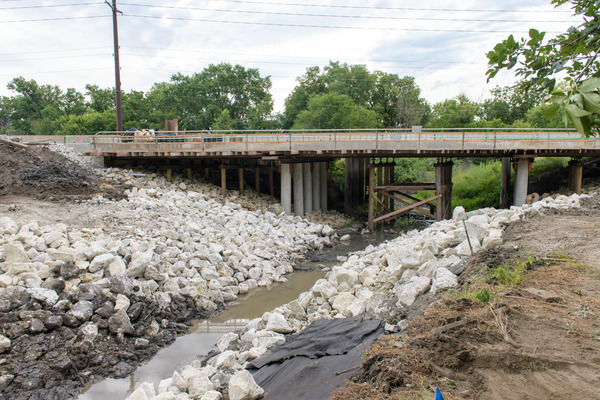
x=483, y=295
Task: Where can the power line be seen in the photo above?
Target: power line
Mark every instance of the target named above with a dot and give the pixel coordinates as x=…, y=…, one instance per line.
x=57, y=58
x=388, y=8
x=287, y=25
x=51, y=6
x=53, y=19
x=326, y=59
x=336, y=16
x=54, y=51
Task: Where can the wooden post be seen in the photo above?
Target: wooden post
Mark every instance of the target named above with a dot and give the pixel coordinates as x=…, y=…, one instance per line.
x=189, y=173
x=371, y=195
x=443, y=187
x=380, y=183
x=257, y=180
x=504, y=182
x=241, y=176
x=271, y=183
x=575, y=176
x=223, y=181
x=169, y=177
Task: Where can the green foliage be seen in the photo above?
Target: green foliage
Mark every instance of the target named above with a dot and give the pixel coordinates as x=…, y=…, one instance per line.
x=513, y=275
x=483, y=296
x=477, y=186
x=198, y=100
x=459, y=112
x=545, y=164
x=509, y=104
x=396, y=101
x=414, y=170
x=573, y=53
x=336, y=172
x=331, y=111
x=223, y=122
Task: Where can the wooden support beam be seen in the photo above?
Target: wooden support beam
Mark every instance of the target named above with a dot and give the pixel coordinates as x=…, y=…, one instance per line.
x=257, y=179
x=379, y=183
x=406, y=203
x=271, y=183
x=223, y=181
x=241, y=177
x=371, y=196
x=169, y=176
x=189, y=173
x=397, y=213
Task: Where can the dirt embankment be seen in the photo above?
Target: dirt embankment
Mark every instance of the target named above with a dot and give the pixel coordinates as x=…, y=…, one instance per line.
x=36, y=172
x=535, y=335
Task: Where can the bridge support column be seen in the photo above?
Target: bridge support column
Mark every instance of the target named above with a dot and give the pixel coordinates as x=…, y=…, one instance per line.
x=223, y=181
x=362, y=168
x=348, y=186
x=257, y=180
x=241, y=177
x=504, y=182
x=272, y=184
x=521, y=181
x=575, y=176
x=316, y=186
x=323, y=184
x=298, y=189
x=443, y=186
x=286, y=188
x=307, y=187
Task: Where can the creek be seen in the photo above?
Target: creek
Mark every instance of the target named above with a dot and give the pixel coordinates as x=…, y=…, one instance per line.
x=204, y=334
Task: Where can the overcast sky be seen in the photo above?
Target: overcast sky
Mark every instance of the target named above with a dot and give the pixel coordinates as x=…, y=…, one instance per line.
x=441, y=43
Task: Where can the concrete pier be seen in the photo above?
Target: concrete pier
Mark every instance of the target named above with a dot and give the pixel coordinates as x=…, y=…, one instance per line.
x=521, y=181
x=316, y=186
x=286, y=188
x=323, y=184
x=307, y=187
x=298, y=189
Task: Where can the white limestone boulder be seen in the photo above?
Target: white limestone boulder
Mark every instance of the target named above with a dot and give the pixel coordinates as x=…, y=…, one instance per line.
x=443, y=279
x=243, y=387
x=407, y=293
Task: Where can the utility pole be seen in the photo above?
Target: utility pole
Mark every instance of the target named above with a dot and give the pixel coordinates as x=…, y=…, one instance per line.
x=113, y=6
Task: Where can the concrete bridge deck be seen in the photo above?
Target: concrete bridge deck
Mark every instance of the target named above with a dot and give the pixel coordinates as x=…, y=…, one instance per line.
x=293, y=146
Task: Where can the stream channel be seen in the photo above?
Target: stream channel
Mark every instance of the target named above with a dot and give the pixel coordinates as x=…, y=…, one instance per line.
x=204, y=334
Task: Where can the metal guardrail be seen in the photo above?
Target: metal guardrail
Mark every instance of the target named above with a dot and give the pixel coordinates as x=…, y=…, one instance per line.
x=344, y=139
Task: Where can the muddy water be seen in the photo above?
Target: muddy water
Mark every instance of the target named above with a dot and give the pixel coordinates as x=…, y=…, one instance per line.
x=204, y=334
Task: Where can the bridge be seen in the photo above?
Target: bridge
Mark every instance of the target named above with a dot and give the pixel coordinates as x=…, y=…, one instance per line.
x=301, y=156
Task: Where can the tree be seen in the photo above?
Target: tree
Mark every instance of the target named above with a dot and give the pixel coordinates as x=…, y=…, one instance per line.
x=197, y=100
x=335, y=111
x=574, y=53
x=510, y=104
x=30, y=101
x=395, y=100
x=223, y=122
x=100, y=100
x=459, y=112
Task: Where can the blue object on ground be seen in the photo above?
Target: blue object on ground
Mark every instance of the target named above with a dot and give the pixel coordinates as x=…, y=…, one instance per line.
x=438, y=394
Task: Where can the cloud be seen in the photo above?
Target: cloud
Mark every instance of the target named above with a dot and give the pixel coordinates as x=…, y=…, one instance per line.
x=440, y=48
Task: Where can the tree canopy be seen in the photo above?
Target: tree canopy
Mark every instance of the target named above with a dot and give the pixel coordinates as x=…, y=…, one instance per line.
x=573, y=53
x=395, y=101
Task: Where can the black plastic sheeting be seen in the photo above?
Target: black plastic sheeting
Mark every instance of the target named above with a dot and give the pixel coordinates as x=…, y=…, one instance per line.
x=313, y=363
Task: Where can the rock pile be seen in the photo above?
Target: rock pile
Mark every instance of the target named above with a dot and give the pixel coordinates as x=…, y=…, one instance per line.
x=104, y=297
x=381, y=282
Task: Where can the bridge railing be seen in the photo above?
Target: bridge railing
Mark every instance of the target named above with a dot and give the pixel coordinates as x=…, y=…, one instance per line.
x=338, y=139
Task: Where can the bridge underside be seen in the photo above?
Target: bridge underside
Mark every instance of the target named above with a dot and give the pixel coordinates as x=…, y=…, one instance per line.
x=300, y=160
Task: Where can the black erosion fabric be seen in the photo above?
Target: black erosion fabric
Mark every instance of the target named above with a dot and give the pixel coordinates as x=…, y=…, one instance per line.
x=311, y=364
